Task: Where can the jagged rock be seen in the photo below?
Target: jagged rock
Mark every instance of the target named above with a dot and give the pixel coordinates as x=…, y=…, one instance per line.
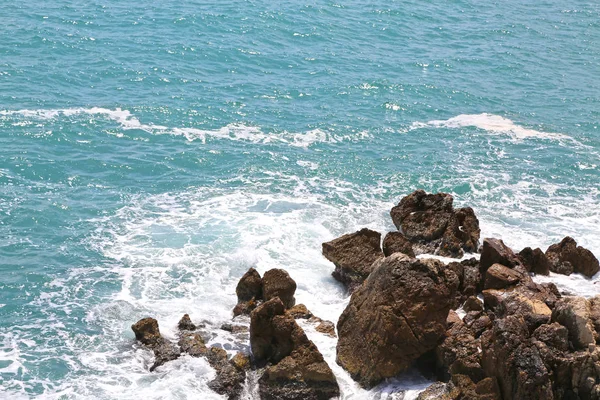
x=518, y=301
x=554, y=335
x=185, y=324
x=469, y=279
x=299, y=311
x=494, y=251
x=579, y=259
x=595, y=313
x=473, y=304
x=249, y=292
x=509, y=356
x=397, y=315
x=278, y=283
x=452, y=319
x=146, y=331
x=459, y=353
x=433, y=225
x=353, y=255
x=327, y=328
x=574, y=314
x=477, y=322
x=192, y=344
x=396, y=242
x=296, y=368
x=436, y=391
x=535, y=261
x=499, y=277
x=461, y=387
x=231, y=374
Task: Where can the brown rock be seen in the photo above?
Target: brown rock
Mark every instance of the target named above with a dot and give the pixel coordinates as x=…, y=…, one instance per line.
x=396, y=242
x=327, y=328
x=499, y=277
x=580, y=259
x=494, y=251
x=278, y=283
x=353, y=256
x=296, y=368
x=397, y=315
x=595, y=313
x=459, y=353
x=164, y=351
x=473, y=304
x=245, y=308
x=518, y=301
x=574, y=314
x=146, y=331
x=553, y=335
x=231, y=374
x=452, y=318
x=535, y=261
x=185, y=324
x=299, y=311
x=192, y=344
x=249, y=287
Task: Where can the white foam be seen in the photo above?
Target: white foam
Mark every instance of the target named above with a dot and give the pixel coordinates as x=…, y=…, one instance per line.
x=491, y=123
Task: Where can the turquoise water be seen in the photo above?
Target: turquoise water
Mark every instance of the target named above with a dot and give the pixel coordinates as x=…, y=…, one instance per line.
x=151, y=153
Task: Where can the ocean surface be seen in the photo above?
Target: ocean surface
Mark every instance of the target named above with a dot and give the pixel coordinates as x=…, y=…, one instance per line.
x=150, y=153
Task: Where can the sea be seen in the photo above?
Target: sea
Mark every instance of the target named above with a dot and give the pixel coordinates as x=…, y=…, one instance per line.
x=151, y=152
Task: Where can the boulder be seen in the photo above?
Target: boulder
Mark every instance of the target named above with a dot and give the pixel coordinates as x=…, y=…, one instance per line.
x=192, y=344
x=509, y=356
x=574, y=313
x=499, y=277
x=534, y=261
x=579, y=259
x=230, y=374
x=147, y=332
x=494, y=251
x=278, y=283
x=295, y=368
x=396, y=242
x=299, y=311
x=327, y=328
x=397, y=315
x=249, y=292
x=433, y=225
x=353, y=256
x=553, y=335
x=459, y=353
x=185, y=324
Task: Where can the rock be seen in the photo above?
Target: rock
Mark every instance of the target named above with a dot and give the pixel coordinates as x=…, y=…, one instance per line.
x=469, y=279
x=278, y=283
x=231, y=374
x=494, y=251
x=249, y=292
x=192, y=344
x=581, y=260
x=509, y=356
x=146, y=331
x=518, y=301
x=595, y=313
x=477, y=322
x=327, y=328
x=396, y=242
x=299, y=311
x=432, y=224
x=185, y=324
x=452, y=319
x=235, y=329
x=437, y=391
x=473, y=304
x=397, y=315
x=574, y=314
x=296, y=368
x=164, y=351
x=353, y=256
x=499, y=277
x=553, y=335
x=535, y=261
x=458, y=353
x=461, y=387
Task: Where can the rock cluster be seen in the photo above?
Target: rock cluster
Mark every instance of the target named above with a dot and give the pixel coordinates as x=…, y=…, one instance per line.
x=252, y=290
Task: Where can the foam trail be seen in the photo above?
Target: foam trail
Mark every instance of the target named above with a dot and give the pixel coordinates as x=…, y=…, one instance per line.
x=490, y=123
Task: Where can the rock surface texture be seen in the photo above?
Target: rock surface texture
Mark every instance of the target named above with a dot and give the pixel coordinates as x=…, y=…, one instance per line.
x=566, y=257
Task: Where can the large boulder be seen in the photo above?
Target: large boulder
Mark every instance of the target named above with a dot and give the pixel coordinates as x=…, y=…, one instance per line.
x=494, y=251
x=575, y=314
x=499, y=277
x=396, y=242
x=434, y=226
x=534, y=260
x=353, y=255
x=566, y=256
x=295, y=369
x=278, y=283
x=397, y=315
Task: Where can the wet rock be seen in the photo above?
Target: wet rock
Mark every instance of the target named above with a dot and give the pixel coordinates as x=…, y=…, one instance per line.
x=518, y=301
x=164, y=351
x=461, y=387
x=473, y=304
x=192, y=344
x=146, y=331
x=509, y=356
x=278, y=283
x=230, y=374
x=185, y=324
x=296, y=369
x=249, y=292
x=327, y=328
x=579, y=259
x=396, y=242
x=459, y=353
x=452, y=318
x=397, y=315
x=553, y=335
x=235, y=329
x=494, y=251
x=574, y=313
x=433, y=225
x=353, y=255
x=535, y=261
x=499, y=277
x=299, y=311
x=595, y=313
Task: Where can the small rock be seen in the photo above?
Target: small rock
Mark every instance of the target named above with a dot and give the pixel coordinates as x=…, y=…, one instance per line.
x=299, y=311
x=146, y=331
x=473, y=304
x=192, y=344
x=499, y=277
x=580, y=259
x=327, y=328
x=185, y=324
x=249, y=287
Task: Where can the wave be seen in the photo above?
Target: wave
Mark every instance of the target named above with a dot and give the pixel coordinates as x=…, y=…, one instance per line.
x=234, y=131
x=491, y=123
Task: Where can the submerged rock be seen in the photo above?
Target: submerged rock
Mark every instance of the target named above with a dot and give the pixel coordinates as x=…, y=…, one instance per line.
x=397, y=315
x=566, y=257
x=295, y=368
x=353, y=256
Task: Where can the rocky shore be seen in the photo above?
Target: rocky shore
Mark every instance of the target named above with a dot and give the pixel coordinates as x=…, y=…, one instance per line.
x=482, y=327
